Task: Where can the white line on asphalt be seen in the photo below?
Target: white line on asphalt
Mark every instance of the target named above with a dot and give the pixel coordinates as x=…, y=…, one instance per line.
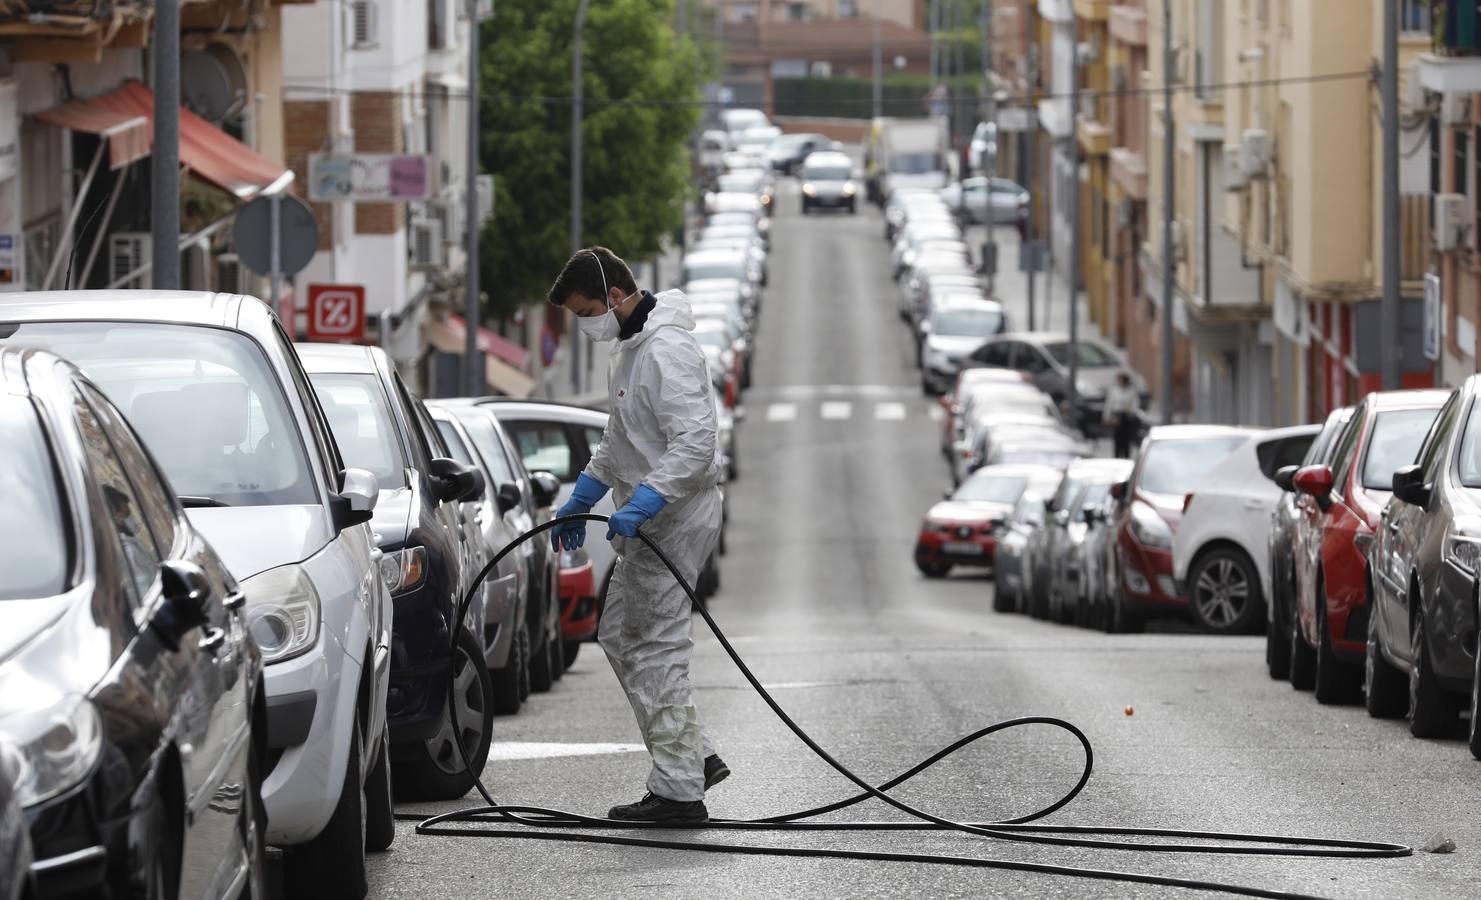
x=507, y=750
x=890, y=412
x=837, y=409
x=781, y=412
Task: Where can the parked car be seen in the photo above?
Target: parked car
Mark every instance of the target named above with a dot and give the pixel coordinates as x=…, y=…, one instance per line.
x=913, y=205
x=124, y=649
x=381, y=427
x=963, y=528
x=1097, y=562
x=578, y=593
x=931, y=235
x=538, y=489
x=995, y=201
x=749, y=243
x=1219, y=558
x=983, y=147
x=735, y=121
x=1341, y=512
x=1011, y=413
x=751, y=218
x=725, y=290
x=1173, y=461
x=955, y=327
x=261, y=477
x=787, y=152
x=745, y=181
x=16, y=856
x=1086, y=484
x=1013, y=564
x=1423, y=570
x=828, y=181
x=1045, y=356
x=951, y=402
x=735, y=264
x=499, y=615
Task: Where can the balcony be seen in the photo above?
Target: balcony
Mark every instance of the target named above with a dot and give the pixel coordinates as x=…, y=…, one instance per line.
x=1092, y=10
x=1095, y=137
x=75, y=31
x=1128, y=25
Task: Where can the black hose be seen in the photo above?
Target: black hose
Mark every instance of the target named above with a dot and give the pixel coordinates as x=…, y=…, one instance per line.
x=561, y=824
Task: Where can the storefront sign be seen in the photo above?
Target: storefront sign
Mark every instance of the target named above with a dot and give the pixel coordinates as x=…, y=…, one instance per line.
x=1432, y=316
x=10, y=146
x=369, y=177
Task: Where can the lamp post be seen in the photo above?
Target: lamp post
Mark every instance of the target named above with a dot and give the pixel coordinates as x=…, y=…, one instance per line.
x=576, y=168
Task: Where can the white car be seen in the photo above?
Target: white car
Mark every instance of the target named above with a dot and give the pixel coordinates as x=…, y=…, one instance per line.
x=1219, y=554
x=973, y=199
x=213, y=386
x=955, y=327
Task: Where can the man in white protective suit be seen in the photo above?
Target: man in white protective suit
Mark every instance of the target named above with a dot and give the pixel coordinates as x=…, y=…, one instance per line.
x=660, y=458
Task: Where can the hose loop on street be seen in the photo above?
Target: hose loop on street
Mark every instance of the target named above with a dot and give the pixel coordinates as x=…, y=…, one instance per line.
x=539, y=823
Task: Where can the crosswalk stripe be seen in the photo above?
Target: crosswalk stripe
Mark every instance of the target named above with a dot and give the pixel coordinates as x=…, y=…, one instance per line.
x=890, y=412
x=781, y=412
x=837, y=409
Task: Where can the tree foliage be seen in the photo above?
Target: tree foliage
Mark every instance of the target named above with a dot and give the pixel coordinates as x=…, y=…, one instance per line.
x=640, y=83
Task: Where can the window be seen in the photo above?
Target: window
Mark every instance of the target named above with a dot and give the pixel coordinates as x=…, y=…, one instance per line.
x=998, y=354
x=1345, y=449
x=140, y=558
x=454, y=441
x=594, y=440
x=33, y=531
x=796, y=12
x=1276, y=455
x=360, y=417
x=1435, y=165
x=485, y=438
x=1414, y=16
x=848, y=9
x=986, y=487
x=1394, y=444
x=1089, y=354
x=544, y=447
x=156, y=501
x=1176, y=467
x=1431, y=452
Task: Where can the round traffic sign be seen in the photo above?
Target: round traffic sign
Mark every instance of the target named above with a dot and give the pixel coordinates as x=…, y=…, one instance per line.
x=298, y=235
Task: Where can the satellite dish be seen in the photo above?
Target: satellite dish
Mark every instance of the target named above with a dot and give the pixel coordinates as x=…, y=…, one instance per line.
x=213, y=83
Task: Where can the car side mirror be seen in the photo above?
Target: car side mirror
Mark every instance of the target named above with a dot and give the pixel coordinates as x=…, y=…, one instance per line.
x=544, y=488
x=1283, y=477
x=1118, y=490
x=355, y=503
x=1062, y=517
x=508, y=496
x=455, y=482
x=1315, y=482
x=1409, y=486
x=1089, y=515
x=187, y=598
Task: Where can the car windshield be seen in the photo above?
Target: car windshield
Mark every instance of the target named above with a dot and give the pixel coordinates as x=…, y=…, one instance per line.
x=987, y=487
x=1176, y=466
x=360, y=417
x=739, y=182
x=1089, y=354
x=480, y=429
x=205, y=401
x=967, y=322
x=916, y=163
x=734, y=267
x=1092, y=497
x=33, y=541
x=1397, y=435
x=827, y=173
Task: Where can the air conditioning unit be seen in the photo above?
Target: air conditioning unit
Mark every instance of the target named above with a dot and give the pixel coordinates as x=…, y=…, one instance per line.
x=1455, y=109
x=1452, y=217
x=128, y=252
x=1235, y=178
x=428, y=245
x=1126, y=212
x=1254, y=152
x=1414, y=93
x=1119, y=80
x=1179, y=245
x=228, y=276
x=364, y=23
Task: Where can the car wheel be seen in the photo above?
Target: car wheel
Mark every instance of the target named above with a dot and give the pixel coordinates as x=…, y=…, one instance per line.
x=512, y=683
x=1473, y=738
x=436, y=770
x=380, y=810
x=571, y=649
x=1385, y=691
x=541, y=676
x=553, y=646
x=1002, y=601
x=252, y=822
x=1336, y=681
x=1225, y=592
x=934, y=570
x=1303, y=658
x=1432, y=710
x=333, y=864
x=1277, y=648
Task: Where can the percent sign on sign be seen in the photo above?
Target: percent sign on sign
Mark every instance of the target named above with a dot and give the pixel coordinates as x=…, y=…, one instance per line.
x=336, y=312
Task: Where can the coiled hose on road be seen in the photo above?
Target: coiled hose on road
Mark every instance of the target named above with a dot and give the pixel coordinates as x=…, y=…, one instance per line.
x=538, y=823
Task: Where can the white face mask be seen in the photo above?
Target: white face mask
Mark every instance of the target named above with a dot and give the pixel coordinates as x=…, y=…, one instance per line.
x=603, y=327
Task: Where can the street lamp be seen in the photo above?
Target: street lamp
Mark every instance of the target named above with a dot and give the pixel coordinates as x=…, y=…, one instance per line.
x=576, y=166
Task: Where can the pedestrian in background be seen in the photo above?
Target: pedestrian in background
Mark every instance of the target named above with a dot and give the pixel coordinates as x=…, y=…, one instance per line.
x=1121, y=416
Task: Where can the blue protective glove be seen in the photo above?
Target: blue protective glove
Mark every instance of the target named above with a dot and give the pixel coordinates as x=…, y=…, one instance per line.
x=644, y=505
x=587, y=493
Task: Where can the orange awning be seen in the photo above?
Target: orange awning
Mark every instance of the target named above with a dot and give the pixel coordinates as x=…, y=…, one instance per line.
x=211, y=153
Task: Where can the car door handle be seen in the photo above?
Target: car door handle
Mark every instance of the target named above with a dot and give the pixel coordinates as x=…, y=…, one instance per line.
x=235, y=601
x=1393, y=527
x=212, y=639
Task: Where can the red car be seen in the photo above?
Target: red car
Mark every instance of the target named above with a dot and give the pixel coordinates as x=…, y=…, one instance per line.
x=1173, y=459
x=1339, y=508
x=578, y=602
x=961, y=530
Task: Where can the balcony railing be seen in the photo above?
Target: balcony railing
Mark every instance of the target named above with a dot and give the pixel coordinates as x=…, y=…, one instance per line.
x=1456, y=25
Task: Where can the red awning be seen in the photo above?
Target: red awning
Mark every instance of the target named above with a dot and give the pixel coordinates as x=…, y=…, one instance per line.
x=210, y=152
x=491, y=342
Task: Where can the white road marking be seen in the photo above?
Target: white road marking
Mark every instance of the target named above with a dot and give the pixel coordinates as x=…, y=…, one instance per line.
x=837, y=409
x=889, y=412
x=507, y=750
x=781, y=412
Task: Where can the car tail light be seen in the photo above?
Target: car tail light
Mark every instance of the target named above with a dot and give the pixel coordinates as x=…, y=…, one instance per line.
x=730, y=391
x=1187, y=501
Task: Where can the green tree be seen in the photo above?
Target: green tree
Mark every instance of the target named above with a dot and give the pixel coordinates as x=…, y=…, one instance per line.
x=641, y=92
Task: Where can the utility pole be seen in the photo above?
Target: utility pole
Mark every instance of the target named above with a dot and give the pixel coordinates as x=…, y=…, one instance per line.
x=576, y=170
x=1389, y=346
x=990, y=162
x=165, y=159
x=1076, y=251
x=934, y=22
x=1169, y=148
x=473, y=380
x=878, y=74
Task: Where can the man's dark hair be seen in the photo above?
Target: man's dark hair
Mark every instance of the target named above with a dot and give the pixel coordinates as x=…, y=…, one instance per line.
x=583, y=276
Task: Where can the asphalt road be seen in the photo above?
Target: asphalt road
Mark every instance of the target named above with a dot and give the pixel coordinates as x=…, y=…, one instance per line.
x=839, y=460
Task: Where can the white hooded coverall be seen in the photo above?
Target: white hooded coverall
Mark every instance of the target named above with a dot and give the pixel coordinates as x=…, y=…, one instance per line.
x=661, y=432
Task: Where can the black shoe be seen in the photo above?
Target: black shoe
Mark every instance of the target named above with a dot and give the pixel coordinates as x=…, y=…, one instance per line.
x=653, y=808
x=715, y=770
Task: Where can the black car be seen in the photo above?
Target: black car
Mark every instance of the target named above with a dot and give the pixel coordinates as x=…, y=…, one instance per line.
x=1423, y=566
x=787, y=152
x=380, y=426
x=1279, y=544
x=130, y=690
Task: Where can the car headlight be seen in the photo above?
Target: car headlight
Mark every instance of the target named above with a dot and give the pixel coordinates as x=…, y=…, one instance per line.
x=1149, y=529
x=809, y=190
x=52, y=748
x=1464, y=552
x=848, y=189
x=282, y=612
x=402, y=570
